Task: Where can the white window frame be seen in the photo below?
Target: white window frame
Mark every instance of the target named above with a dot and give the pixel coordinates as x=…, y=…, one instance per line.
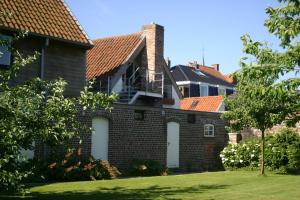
x=209, y=130
x=222, y=89
x=206, y=86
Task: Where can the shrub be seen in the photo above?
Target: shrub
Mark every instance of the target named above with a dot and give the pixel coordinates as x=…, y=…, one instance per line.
x=147, y=168
x=245, y=154
x=73, y=168
x=282, y=153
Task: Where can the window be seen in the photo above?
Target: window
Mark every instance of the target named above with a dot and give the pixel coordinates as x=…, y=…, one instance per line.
x=222, y=91
x=213, y=91
x=139, y=115
x=209, y=130
x=229, y=91
x=203, y=90
x=191, y=118
x=5, y=54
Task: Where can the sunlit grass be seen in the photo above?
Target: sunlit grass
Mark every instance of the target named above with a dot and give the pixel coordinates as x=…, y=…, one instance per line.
x=210, y=185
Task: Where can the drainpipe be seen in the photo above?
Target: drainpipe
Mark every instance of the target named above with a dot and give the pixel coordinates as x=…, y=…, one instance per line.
x=42, y=76
x=44, y=46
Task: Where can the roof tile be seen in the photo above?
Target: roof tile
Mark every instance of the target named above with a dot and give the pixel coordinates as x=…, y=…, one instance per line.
x=110, y=53
x=206, y=104
x=43, y=17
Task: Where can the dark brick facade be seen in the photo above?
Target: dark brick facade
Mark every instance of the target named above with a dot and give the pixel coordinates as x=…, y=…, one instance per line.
x=147, y=139
x=62, y=60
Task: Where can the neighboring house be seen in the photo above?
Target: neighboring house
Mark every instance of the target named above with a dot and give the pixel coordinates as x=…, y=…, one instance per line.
x=133, y=66
x=204, y=104
x=197, y=80
x=53, y=32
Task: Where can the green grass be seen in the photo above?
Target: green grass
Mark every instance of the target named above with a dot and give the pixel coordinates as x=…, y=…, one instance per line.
x=210, y=186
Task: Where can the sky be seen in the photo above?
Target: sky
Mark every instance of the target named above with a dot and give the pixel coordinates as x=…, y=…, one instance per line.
x=191, y=26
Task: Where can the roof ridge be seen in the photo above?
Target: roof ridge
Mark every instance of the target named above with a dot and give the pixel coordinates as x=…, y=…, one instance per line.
x=76, y=21
x=117, y=36
x=203, y=97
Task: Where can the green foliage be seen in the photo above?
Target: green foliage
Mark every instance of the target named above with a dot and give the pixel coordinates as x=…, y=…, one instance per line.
x=147, y=168
x=71, y=167
x=282, y=153
x=264, y=96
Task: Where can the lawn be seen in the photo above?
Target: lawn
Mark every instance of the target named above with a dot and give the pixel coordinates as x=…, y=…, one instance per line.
x=210, y=186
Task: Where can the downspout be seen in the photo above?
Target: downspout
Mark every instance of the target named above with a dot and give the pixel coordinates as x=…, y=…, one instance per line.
x=42, y=76
x=44, y=46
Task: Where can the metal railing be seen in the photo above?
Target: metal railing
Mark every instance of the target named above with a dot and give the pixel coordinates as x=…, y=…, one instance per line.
x=131, y=82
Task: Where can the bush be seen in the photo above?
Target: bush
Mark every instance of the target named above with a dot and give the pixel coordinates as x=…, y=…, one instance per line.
x=147, y=168
x=245, y=154
x=282, y=153
x=73, y=168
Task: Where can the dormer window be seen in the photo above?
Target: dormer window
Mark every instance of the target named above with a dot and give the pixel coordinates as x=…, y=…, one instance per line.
x=5, y=54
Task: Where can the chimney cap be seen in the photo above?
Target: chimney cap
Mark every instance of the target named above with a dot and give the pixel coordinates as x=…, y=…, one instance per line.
x=152, y=25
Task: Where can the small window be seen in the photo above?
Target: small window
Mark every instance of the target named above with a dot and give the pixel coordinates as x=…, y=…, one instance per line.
x=139, y=115
x=5, y=55
x=209, y=130
x=191, y=118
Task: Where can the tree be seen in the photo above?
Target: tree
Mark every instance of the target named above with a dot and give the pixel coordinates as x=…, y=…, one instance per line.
x=36, y=110
x=265, y=96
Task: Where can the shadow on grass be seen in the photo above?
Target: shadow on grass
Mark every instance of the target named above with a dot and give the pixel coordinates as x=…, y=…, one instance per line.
x=121, y=193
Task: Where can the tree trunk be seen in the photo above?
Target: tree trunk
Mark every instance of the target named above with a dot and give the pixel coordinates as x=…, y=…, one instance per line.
x=262, y=166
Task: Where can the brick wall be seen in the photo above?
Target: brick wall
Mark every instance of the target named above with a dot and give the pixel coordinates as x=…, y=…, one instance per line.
x=147, y=139
x=252, y=133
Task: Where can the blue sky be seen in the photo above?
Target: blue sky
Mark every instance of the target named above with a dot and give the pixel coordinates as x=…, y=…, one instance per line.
x=190, y=25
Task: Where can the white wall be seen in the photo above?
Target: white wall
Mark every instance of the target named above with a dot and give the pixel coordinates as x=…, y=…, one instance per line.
x=118, y=86
x=176, y=100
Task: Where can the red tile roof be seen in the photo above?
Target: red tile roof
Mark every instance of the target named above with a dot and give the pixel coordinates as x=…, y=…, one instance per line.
x=229, y=78
x=110, y=53
x=206, y=104
x=50, y=18
x=213, y=72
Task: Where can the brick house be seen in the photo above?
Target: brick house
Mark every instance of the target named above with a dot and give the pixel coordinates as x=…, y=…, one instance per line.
x=146, y=122
x=53, y=32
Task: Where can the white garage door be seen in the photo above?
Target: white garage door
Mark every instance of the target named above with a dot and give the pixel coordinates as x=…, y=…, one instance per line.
x=100, y=138
x=173, y=145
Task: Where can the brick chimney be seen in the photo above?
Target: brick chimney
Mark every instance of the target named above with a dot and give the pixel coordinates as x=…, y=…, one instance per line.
x=216, y=66
x=154, y=46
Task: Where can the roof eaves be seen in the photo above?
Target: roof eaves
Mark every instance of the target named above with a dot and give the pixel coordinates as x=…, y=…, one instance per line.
x=78, y=24
x=165, y=66
x=86, y=45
